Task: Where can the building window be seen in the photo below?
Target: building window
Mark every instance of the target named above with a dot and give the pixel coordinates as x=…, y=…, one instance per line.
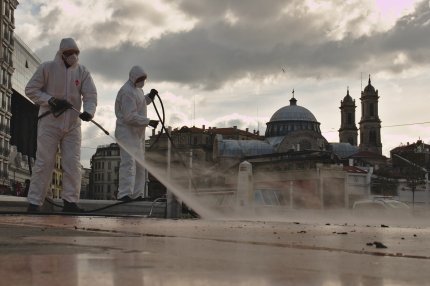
x=372, y=137
x=349, y=118
x=371, y=109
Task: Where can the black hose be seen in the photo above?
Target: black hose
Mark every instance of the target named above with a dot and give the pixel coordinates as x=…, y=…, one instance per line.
x=173, y=143
x=94, y=210
x=162, y=122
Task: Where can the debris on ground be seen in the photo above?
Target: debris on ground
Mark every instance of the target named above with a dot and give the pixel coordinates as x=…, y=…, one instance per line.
x=379, y=244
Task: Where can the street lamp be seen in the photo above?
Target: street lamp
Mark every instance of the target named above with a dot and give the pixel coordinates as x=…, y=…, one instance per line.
x=422, y=169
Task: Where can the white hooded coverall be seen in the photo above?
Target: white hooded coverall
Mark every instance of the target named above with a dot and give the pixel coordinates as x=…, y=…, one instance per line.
x=131, y=121
x=74, y=84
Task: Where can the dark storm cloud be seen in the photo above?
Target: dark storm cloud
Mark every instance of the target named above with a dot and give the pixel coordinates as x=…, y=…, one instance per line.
x=250, y=9
x=106, y=31
x=263, y=40
x=136, y=11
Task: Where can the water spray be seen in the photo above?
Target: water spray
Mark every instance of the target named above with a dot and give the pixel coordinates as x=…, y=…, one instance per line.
x=187, y=198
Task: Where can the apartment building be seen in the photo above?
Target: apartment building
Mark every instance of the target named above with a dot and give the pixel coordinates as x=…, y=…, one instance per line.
x=103, y=181
x=7, y=26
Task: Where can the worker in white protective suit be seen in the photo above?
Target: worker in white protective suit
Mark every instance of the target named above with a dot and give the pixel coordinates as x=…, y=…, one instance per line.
x=131, y=122
x=56, y=86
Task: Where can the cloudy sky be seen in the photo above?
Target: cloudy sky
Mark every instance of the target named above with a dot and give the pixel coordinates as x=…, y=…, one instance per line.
x=225, y=63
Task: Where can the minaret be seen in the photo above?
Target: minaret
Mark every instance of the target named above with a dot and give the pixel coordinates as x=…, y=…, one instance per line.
x=348, y=130
x=370, y=124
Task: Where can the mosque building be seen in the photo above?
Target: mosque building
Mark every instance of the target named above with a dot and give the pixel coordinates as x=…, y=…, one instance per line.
x=291, y=128
x=295, y=128
x=296, y=156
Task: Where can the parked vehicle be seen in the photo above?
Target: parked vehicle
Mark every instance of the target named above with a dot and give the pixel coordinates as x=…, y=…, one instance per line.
x=380, y=205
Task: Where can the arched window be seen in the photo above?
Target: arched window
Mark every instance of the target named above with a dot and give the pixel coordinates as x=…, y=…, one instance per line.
x=372, y=137
x=349, y=118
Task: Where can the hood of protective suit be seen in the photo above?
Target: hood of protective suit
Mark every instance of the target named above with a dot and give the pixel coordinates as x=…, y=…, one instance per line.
x=66, y=44
x=135, y=73
x=74, y=84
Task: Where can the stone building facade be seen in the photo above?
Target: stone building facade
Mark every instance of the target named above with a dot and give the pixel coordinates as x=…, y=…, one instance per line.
x=7, y=26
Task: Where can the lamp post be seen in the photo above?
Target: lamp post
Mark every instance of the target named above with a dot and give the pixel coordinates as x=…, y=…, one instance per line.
x=422, y=169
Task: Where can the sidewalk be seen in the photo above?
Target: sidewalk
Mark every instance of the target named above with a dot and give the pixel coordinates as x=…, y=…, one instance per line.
x=67, y=250
x=157, y=209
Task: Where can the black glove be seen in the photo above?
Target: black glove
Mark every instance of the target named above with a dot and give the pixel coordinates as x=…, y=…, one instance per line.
x=152, y=94
x=85, y=116
x=59, y=105
x=153, y=123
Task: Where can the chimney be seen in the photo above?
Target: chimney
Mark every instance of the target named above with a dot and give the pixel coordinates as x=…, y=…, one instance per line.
x=247, y=129
x=235, y=127
x=203, y=127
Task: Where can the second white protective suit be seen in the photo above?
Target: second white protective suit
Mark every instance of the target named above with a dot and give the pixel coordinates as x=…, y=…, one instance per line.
x=131, y=122
x=74, y=84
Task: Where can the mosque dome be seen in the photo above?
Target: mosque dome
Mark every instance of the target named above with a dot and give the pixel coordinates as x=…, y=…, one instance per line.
x=293, y=112
x=291, y=118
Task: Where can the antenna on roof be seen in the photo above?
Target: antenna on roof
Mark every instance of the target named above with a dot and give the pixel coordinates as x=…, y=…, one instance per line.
x=258, y=121
x=194, y=115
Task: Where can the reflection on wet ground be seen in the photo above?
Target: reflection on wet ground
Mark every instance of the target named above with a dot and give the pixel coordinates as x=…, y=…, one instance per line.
x=58, y=250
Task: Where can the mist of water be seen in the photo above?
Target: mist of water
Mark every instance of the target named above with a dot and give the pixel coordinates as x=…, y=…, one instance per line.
x=213, y=202
x=181, y=191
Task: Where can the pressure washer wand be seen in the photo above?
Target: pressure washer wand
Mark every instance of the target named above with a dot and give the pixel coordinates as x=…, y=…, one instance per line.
x=98, y=125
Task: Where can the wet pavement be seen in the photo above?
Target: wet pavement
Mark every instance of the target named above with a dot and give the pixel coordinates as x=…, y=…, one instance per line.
x=68, y=250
